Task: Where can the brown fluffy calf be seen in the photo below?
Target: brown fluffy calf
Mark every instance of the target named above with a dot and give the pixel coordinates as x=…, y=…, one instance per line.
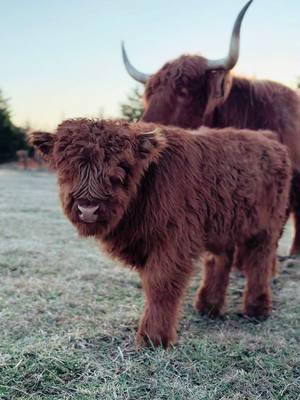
x=157, y=198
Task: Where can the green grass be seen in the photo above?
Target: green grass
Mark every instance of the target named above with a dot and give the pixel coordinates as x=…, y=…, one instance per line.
x=68, y=317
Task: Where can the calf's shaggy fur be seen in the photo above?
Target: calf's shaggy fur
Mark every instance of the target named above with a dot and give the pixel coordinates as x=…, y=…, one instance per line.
x=157, y=198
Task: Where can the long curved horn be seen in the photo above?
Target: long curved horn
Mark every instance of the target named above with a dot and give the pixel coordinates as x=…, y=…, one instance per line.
x=133, y=72
x=234, y=50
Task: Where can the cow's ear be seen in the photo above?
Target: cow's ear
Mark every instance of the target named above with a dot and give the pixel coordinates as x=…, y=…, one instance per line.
x=219, y=84
x=150, y=144
x=219, y=87
x=43, y=142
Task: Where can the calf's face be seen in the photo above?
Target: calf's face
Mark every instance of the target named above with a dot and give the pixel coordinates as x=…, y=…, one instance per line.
x=98, y=168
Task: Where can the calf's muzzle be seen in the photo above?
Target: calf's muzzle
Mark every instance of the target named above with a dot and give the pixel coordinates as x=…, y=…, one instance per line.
x=88, y=213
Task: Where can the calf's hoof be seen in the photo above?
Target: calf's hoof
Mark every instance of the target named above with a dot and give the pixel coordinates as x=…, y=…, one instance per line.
x=259, y=309
x=155, y=339
x=203, y=306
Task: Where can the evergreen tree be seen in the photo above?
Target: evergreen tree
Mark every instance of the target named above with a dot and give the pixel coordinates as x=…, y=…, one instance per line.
x=133, y=109
x=12, y=138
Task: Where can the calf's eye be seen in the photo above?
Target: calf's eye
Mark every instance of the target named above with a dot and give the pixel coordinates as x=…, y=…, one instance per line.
x=183, y=93
x=116, y=180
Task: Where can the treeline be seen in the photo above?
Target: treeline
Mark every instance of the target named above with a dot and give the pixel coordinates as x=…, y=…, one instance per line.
x=133, y=109
x=12, y=138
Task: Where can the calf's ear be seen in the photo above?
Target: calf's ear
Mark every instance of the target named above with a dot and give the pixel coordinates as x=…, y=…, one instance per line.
x=43, y=142
x=150, y=144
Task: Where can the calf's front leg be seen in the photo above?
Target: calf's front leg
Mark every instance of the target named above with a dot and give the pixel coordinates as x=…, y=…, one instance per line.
x=164, y=287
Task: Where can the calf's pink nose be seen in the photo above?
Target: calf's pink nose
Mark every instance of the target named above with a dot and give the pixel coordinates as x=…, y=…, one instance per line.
x=88, y=213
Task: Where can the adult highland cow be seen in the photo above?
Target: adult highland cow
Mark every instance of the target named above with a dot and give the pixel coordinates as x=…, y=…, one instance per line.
x=158, y=197
x=192, y=91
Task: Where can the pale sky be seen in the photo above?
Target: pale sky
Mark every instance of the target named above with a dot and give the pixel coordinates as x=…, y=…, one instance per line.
x=62, y=59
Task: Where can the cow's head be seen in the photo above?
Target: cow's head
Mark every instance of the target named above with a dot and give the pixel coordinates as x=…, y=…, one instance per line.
x=99, y=165
x=185, y=92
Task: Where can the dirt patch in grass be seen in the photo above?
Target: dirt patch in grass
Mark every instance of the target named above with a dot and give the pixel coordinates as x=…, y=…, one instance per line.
x=68, y=317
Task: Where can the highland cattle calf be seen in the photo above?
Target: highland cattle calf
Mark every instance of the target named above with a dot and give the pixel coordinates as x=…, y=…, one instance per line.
x=157, y=198
x=192, y=91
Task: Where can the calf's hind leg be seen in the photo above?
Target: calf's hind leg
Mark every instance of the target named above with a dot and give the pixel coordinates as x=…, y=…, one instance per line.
x=257, y=256
x=210, y=297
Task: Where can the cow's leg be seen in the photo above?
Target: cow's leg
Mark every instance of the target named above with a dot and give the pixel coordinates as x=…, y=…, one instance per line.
x=257, y=256
x=210, y=297
x=164, y=286
x=295, y=249
x=295, y=206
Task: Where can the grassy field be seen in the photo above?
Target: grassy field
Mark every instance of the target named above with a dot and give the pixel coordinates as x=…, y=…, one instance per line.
x=68, y=317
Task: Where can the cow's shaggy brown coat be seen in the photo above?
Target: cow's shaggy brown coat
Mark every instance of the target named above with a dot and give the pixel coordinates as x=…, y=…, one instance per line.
x=184, y=93
x=159, y=200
